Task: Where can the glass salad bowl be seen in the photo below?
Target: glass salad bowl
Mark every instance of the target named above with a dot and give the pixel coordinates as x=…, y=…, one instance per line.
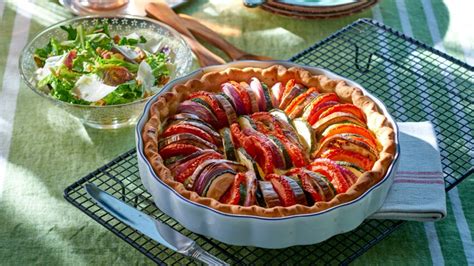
x=117, y=115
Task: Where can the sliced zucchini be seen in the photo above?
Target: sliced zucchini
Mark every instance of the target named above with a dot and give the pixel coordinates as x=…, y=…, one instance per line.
x=266, y=94
x=246, y=122
x=351, y=167
x=305, y=134
x=280, y=114
x=229, y=148
x=244, y=158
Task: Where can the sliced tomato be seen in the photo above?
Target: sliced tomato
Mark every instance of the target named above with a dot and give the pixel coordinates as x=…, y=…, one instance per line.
x=264, y=143
x=335, y=118
x=299, y=99
x=349, y=156
x=233, y=194
x=210, y=99
x=261, y=152
x=307, y=185
x=177, y=149
x=332, y=171
x=237, y=135
x=187, y=128
x=183, y=171
x=346, y=108
x=315, y=105
x=297, y=155
x=349, y=143
x=68, y=61
x=283, y=189
x=350, y=128
x=266, y=123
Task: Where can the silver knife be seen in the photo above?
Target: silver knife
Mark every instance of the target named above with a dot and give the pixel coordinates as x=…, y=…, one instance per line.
x=151, y=227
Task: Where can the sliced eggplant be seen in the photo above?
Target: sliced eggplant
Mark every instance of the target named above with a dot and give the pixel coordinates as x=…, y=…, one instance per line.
x=322, y=184
x=201, y=125
x=234, y=95
x=185, y=117
x=186, y=138
x=200, y=110
x=211, y=171
x=270, y=197
x=219, y=182
x=190, y=182
x=250, y=189
x=184, y=168
x=257, y=88
x=227, y=107
x=252, y=96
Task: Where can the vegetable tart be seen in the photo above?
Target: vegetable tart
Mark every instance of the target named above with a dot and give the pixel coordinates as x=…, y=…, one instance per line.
x=268, y=142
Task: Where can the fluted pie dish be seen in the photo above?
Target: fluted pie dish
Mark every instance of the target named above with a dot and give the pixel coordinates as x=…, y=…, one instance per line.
x=267, y=154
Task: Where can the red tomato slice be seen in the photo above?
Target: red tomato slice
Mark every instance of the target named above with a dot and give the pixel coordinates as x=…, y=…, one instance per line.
x=232, y=196
x=348, y=156
x=283, y=189
x=299, y=99
x=313, y=118
x=177, y=149
x=261, y=152
x=296, y=154
x=332, y=171
x=237, y=135
x=350, y=128
x=186, y=169
x=308, y=187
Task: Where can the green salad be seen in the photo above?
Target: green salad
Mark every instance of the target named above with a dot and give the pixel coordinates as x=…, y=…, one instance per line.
x=92, y=67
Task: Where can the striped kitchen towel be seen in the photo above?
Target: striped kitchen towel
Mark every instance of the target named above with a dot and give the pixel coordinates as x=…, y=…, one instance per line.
x=417, y=192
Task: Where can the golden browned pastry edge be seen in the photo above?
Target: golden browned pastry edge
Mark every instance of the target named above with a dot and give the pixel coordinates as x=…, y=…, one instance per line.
x=168, y=102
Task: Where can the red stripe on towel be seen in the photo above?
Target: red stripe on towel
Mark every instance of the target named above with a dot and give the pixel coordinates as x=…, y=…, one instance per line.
x=418, y=181
x=419, y=173
x=418, y=177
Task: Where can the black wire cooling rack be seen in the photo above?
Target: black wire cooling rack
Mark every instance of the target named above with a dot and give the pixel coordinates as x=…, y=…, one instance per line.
x=415, y=81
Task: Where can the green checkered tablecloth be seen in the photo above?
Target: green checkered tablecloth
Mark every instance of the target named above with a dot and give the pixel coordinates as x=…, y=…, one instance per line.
x=43, y=149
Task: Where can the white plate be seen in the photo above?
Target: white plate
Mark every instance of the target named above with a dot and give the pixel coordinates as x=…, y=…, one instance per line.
x=257, y=231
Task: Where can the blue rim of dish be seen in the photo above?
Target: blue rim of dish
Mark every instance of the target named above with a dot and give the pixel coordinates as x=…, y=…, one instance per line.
x=34, y=88
x=167, y=87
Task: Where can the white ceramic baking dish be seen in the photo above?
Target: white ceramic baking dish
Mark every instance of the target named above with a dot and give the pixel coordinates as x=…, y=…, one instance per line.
x=259, y=231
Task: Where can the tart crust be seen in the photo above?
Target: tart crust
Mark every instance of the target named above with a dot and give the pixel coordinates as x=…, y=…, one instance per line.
x=168, y=102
